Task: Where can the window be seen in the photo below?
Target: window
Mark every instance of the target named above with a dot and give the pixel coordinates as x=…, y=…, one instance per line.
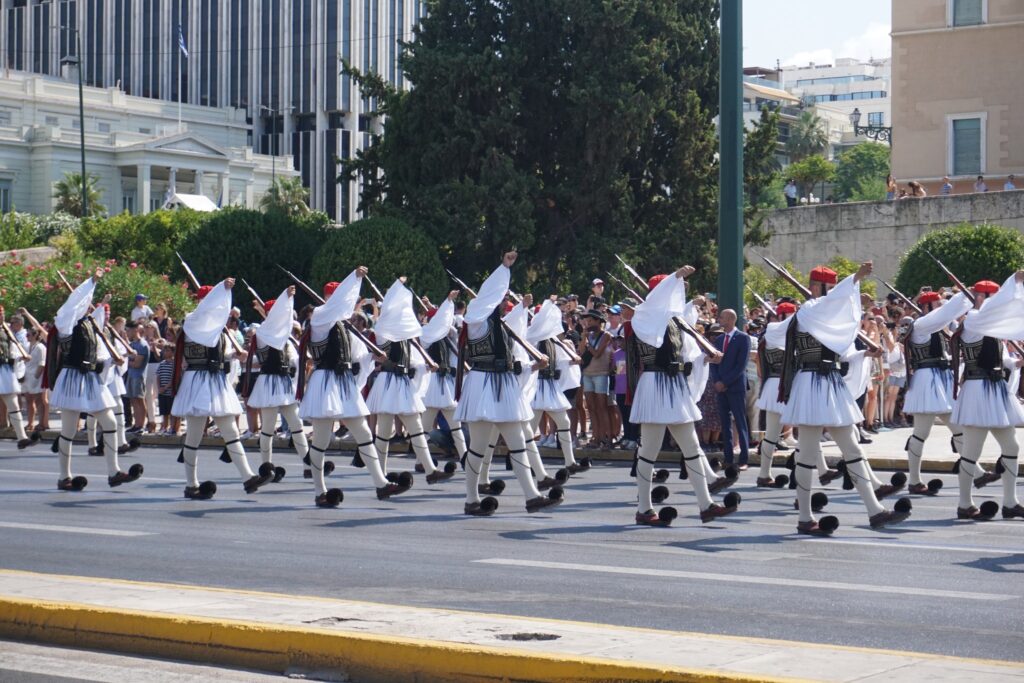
x=5, y=118
x=75, y=123
x=146, y=131
x=5, y=196
x=103, y=127
x=968, y=12
x=156, y=203
x=876, y=118
x=128, y=200
x=967, y=145
x=52, y=121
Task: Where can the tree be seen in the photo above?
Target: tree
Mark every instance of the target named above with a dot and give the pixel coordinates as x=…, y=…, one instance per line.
x=807, y=172
x=243, y=243
x=869, y=190
x=286, y=195
x=68, y=193
x=807, y=136
x=858, y=166
x=572, y=130
x=760, y=171
x=390, y=249
x=972, y=252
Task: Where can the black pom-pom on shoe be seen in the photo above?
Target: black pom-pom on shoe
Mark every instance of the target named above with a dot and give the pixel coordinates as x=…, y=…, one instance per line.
x=661, y=476
x=732, y=500
x=818, y=501
x=659, y=494
x=279, y=473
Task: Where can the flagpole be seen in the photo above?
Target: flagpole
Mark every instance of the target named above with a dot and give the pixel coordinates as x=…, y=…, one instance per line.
x=179, y=90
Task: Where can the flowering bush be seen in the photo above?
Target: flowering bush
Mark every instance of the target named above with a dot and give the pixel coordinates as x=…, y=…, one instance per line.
x=40, y=290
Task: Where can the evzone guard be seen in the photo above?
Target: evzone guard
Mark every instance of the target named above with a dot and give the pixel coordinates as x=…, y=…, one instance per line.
x=490, y=395
x=439, y=392
x=273, y=392
x=333, y=391
x=12, y=363
x=816, y=396
x=661, y=356
x=394, y=394
x=73, y=374
x=983, y=404
x=201, y=391
x=113, y=377
x=930, y=389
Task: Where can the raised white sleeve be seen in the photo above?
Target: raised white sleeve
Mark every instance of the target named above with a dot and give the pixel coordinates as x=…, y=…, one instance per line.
x=205, y=324
x=75, y=307
x=340, y=306
x=930, y=323
x=650, y=320
x=275, y=330
x=1001, y=317
x=439, y=326
x=834, y=319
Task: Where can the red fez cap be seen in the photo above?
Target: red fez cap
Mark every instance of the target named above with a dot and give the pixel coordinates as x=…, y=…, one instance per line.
x=268, y=304
x=785, y=308
x=986, y=287
x=329, y=289
x=432, y=312
x=655, y=280
x=509, y=306
x=203, y=291
x=928, y=298
x=823, y=274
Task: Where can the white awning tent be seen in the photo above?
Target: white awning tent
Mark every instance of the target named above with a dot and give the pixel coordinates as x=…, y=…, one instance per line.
x=196, y=202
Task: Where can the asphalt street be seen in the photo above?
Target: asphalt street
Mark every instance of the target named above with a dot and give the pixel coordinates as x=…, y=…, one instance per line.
x=931, y=584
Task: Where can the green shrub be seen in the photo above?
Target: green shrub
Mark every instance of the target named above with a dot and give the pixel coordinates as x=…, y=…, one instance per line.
x=39, y=288
x=243, y=243
x=150, y=239
x=17, y=231
x=390, y=248
x=972, y=252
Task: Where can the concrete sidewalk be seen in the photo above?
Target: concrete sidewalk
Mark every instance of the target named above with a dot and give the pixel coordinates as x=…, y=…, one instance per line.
x=380, y=642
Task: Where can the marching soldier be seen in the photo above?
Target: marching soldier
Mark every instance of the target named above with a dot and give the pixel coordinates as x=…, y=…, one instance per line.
x=930, y=390
x=333, y=390
x=10, y=387
x=74, y=374
x=816, y=396
x=202, y=357
x=490, y=395
x=274, y=389
x=439, y=395
x=983, y=404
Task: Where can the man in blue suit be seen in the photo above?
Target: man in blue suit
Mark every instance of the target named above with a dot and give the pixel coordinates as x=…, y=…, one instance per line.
x=729, y=378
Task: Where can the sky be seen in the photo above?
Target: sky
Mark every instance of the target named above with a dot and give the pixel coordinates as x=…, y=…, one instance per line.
x=797, y=32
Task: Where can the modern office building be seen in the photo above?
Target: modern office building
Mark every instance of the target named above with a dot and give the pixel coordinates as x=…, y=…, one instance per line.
x=279, y=60
x=958, y=103
x=135, y=145
x=846, y=85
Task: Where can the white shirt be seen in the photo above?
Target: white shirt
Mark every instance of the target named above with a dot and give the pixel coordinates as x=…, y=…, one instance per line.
x=143, y=311
x=791, y=191
x=1009, y=186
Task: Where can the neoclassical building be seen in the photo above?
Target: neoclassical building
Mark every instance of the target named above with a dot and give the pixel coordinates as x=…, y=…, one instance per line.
x=134, y=144
x=278, y=60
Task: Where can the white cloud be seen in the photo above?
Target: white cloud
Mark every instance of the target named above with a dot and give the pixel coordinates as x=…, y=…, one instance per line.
x=873, y=43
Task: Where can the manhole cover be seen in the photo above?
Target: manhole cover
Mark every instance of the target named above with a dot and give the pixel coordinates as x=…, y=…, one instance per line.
x=327, y=621
x=528, y=636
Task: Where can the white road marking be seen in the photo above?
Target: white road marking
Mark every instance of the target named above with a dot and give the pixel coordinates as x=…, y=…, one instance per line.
x=74, y=529
x=704, y=576
x=899, y=544
x=670, y=550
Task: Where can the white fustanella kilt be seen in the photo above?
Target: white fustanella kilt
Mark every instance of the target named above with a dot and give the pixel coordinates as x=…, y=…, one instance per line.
x=81, y=392
x=930, y=392
x=272, y=391
x=394, y=394
x=986, y=403
x=663, y=399
x=332, y=395
x=205, y=393
x=492, y=397
x=818, y=400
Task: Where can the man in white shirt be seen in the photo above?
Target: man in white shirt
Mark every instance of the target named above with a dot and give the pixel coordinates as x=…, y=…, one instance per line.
x=142, y=309
x=1009, y=185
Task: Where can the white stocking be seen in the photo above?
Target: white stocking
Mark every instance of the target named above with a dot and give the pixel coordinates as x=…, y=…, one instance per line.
x=68, y=427
x=15, y=416
x=769, y=442
x=857, y=467
x=229, y=432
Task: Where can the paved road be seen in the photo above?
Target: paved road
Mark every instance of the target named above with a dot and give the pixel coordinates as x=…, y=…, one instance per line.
x=24, y=663
x=931, y=585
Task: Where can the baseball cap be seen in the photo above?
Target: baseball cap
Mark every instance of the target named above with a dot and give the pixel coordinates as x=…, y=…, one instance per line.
x=596, y=281
x=628, y=302
x=141, y=297
x=615, y=310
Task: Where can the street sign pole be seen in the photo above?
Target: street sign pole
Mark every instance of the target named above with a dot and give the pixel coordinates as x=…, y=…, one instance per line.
x=730, y=153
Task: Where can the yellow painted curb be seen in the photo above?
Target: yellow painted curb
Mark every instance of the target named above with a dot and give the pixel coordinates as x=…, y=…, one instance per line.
x=361, y=656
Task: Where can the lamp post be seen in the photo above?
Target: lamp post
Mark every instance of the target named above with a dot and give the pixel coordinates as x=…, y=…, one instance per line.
x=730, y=154
x=77, y=61
x=877, y=133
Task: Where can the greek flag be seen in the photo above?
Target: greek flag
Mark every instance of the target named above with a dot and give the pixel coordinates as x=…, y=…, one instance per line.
x=181, y=42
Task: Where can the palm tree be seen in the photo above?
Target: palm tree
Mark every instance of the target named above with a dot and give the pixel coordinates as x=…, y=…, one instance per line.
x=68, y=193
x=286, y=195
x=807, y=136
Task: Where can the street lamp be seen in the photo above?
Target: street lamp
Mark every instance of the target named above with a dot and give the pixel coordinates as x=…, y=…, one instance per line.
x=77, y=60
x=878, y=133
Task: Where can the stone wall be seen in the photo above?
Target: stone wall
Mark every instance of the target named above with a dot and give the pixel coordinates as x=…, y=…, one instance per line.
x=32, y=255
x=880, y=231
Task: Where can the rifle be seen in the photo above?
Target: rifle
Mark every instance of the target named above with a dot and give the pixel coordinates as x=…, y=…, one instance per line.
x=263, y=307
x=194, y=281
x=964, y=288
x=629, y=269
x=17, y=344
x=707, y=347
x=532, y=352
x=629, y=289
x=761, y=302
x=573, y=356
x=114, y=355
x=800, y=287
x=374, y=349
